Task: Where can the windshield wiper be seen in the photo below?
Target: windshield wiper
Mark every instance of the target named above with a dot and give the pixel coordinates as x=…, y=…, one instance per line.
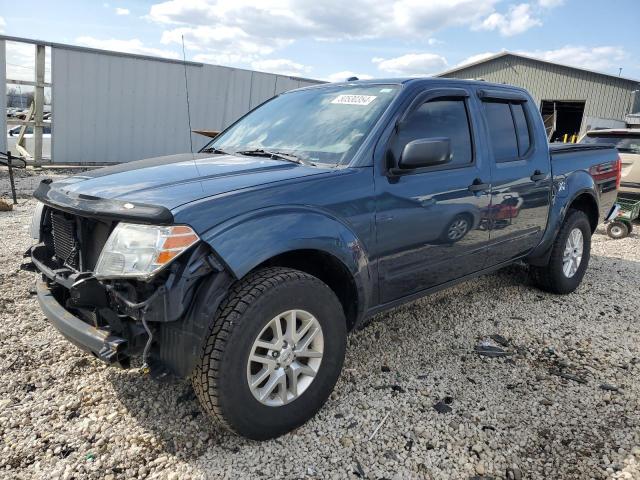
x=289, y=157
x=214, y=150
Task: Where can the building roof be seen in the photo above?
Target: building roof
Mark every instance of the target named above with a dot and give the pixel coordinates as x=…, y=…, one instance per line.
x=511, y=54
x=100, y=51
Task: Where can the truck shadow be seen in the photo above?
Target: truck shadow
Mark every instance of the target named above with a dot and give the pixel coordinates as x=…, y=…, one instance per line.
x=170, y=412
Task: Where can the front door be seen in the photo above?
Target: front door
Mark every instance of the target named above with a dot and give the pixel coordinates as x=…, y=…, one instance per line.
x=429, y=222
x=520, y=177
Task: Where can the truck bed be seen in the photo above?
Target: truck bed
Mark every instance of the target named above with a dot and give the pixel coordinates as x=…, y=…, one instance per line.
x=599, y=161
x=560, y=148
x=568, y=157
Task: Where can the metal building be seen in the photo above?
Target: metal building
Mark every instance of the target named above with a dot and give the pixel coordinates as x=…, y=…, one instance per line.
x=572, y=100
x=110, y=107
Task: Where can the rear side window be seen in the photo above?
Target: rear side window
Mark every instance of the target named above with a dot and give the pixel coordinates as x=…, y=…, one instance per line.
x=439, y=118
x=522, y=128
x=508, y=130
x=501, y=131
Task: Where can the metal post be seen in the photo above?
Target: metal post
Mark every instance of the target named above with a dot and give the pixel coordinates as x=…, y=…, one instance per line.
x=3, y=97
x=13, y=185
x=39, y=105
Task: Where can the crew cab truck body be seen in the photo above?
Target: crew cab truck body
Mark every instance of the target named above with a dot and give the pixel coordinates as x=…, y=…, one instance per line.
x=245, y=265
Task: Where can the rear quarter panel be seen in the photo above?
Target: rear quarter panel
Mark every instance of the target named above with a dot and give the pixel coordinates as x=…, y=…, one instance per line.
x=571, y=178
x=571, y=172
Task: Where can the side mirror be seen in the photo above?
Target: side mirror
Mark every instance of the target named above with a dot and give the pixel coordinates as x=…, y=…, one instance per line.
x=425, y=152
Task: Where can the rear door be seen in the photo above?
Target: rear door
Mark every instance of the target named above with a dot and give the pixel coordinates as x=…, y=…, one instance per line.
x=520, y=174
x=429, y=221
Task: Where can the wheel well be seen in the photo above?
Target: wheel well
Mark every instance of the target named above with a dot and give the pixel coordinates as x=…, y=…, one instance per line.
x=327, y=268
x=587, y=204
x=469, y=216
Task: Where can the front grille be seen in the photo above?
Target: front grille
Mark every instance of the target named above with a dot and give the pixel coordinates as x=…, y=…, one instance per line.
x=65, y=243
x=74, y=241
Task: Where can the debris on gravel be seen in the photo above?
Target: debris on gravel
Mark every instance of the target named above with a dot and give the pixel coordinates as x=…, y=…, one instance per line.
x=65, y=415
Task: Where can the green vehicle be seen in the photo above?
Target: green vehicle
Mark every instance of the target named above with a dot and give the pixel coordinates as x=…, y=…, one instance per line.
x=629, y=212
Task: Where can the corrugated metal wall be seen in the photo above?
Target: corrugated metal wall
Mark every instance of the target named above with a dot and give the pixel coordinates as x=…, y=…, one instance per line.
x=117, y=108
x=606, y=97
x=3, y=95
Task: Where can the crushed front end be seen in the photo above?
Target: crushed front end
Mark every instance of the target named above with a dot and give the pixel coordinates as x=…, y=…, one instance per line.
x=161, y=314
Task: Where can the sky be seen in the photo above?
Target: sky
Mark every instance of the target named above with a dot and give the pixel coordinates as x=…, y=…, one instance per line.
x=333, y=40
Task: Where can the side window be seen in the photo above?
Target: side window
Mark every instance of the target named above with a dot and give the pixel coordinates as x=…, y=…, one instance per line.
x=502, y=132
x=508, y=130
x=439, y=118
x=522, y=128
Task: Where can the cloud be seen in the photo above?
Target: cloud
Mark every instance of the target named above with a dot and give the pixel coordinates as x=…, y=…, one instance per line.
x=476, y=58
x=20, y=61
x=248, y=31
x=592, y=58
x=518, y=19
x=2, y=24
x=550, y=3
x=603, y=58
x=412, y=64
x=122, y=11
x=281, y=66
x=134, y=45
x=343, y=75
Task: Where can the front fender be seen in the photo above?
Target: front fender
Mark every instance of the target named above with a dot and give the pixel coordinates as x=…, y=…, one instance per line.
x=566, y=189
x=248, y=240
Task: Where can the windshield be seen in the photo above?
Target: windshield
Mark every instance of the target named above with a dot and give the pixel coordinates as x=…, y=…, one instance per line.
x=624, y=143
x=321, y=125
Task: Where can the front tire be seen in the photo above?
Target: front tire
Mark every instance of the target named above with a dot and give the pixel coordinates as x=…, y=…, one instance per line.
x=457, y=228
x=264, y=371
x=569, y=257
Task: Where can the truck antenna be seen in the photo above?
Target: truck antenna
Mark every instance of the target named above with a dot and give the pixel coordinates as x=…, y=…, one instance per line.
x=186, y=87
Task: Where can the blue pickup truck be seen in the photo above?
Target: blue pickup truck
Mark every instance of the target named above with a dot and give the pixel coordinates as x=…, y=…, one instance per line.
x=245, y=265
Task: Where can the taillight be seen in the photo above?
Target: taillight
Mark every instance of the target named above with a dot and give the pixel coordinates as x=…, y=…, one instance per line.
x=606, y=171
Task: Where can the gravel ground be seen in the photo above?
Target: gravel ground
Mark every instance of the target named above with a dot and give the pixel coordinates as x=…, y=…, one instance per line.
x=27, y=180
x=562, y=402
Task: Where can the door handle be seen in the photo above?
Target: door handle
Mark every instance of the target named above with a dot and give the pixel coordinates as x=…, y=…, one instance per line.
x=538, y=175
x=478, y=186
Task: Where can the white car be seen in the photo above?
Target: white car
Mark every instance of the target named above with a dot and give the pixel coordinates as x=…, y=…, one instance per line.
x=12, y=140
x=627, y=141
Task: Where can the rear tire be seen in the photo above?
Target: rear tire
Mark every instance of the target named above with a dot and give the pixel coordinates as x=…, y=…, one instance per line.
x=564, y=271
x=223, y=375
x=617, y=230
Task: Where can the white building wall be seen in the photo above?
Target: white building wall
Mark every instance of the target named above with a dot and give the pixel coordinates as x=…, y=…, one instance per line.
x=116, y=108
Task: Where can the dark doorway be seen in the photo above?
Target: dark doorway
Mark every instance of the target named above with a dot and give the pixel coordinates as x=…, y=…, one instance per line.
x=562, y=118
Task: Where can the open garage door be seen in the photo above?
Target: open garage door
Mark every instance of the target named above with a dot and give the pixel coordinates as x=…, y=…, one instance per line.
x=562, y=118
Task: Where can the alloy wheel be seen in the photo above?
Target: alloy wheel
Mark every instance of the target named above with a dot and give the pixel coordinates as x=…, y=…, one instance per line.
x=285, y=358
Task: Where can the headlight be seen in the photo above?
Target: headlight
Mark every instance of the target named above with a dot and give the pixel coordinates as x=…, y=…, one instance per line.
x=36, y=222
x=140, y=251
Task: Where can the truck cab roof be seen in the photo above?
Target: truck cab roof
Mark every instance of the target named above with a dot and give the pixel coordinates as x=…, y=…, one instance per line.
x=424, y=81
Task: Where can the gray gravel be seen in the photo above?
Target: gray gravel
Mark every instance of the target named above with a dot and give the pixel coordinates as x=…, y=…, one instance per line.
x=26, y=180
x=560, y=401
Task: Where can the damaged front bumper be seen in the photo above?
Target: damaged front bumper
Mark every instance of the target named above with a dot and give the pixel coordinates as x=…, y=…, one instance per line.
x=101, y=343
x=114, y=322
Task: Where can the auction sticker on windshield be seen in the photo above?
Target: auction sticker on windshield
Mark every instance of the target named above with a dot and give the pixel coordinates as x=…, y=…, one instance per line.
x=354, y=99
